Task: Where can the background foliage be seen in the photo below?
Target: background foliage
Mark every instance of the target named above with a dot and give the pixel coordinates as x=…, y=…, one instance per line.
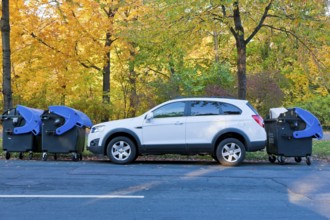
x=162, y=49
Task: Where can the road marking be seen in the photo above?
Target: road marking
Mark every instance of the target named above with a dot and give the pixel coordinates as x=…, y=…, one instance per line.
x=74, y=196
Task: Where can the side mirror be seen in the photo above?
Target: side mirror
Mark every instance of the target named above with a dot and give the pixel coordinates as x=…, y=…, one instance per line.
x=149, y=116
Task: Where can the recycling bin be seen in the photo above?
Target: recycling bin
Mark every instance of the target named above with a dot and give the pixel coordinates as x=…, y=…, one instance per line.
x=21, y=131
x=290, y=135
x=64, y=131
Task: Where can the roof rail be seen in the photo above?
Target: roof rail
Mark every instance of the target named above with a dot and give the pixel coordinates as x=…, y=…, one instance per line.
x=219, y=97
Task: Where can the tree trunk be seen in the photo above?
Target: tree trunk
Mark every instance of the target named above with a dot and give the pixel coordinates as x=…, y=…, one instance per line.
x=106, y=72
x=241, y=69
x=133, y=98
x=238, y=32
x=6, y=63
x=241, y=43
x=216, y=46
x=132, y=79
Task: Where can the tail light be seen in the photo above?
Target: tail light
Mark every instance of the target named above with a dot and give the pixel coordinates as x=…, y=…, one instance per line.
x=259, y=120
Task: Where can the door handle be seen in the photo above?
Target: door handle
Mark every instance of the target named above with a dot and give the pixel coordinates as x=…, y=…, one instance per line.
x=178, y=123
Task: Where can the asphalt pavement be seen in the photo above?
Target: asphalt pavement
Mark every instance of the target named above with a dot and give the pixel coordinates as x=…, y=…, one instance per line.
x=163, y=190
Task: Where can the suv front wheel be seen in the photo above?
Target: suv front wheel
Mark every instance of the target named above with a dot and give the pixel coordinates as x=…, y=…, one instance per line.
x=230, y=152
x=121, y=150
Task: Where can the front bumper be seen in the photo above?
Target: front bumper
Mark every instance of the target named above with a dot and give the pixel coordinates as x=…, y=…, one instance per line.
x=93, y=146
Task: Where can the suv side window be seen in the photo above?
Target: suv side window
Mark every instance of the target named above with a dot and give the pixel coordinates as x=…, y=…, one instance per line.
x=228, y=109
x=199, y=108
x=175, y=109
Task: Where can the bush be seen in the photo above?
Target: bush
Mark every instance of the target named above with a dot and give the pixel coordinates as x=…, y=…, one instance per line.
x=263, y=92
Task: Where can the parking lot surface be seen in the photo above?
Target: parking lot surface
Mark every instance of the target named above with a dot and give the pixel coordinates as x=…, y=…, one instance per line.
x=163, y=190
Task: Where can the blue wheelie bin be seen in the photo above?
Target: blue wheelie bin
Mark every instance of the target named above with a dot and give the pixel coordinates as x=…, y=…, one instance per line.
x=21, y=131
x=290, y=135
x=64, y=131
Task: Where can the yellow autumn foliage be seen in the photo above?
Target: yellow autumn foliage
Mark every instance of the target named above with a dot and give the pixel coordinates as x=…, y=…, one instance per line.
x=59, y=53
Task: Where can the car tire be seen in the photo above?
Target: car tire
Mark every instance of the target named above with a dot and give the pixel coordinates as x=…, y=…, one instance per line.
x=121, y=150
x=272, y=158
x=230, y=152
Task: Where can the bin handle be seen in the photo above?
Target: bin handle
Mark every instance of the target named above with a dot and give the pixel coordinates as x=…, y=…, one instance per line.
x=289, y=137
x=9, y=131
x=50, y=132
x=5, y=113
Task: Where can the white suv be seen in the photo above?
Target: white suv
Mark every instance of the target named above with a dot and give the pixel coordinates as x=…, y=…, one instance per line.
x=224, y=128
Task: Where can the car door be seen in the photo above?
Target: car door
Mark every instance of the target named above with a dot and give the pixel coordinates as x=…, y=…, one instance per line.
x=164, y=131
x=203, y=123
x=207, y=118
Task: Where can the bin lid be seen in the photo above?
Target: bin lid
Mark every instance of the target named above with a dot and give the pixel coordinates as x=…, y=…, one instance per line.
x=274, y=113
x=72, y=117
x=313, y=126
x=32, y=120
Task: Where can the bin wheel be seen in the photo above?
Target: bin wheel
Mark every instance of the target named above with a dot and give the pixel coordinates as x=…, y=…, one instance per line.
x=30, y=155
x=20, y=156
x=297, y=159
x=281, y=160
x=272, y=158
x=7, y=155
x=308, y=160
x=44, y=156
x=55, y=156
x=74, y=156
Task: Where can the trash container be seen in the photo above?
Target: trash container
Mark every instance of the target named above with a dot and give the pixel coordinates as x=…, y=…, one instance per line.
x=21, y=131
x=290, y=135
x=63, y=131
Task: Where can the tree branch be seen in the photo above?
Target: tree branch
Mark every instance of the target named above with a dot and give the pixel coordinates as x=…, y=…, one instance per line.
x=232, y=30
x=290, y=33
x=58, y=51
x=224, y=10
x=156, y=71
x=260, y=23
x=44, y=43
x=84, y=30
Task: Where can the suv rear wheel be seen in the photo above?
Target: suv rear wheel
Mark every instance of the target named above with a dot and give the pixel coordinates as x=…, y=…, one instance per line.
x=230, y=152
x=121, y=150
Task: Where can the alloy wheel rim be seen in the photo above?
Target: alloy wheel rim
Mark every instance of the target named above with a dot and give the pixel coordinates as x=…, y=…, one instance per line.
x=231, y=152
x=121, y=150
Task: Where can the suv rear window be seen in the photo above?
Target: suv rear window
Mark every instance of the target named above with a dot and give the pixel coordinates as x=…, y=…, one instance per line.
x=199, y=108
x=229, y=109
x=252, y=108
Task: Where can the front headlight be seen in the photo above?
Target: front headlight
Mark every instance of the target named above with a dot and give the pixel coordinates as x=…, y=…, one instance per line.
x=99, y=128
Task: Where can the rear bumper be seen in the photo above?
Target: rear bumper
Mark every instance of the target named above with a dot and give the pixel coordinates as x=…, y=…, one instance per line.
x=256, y=145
